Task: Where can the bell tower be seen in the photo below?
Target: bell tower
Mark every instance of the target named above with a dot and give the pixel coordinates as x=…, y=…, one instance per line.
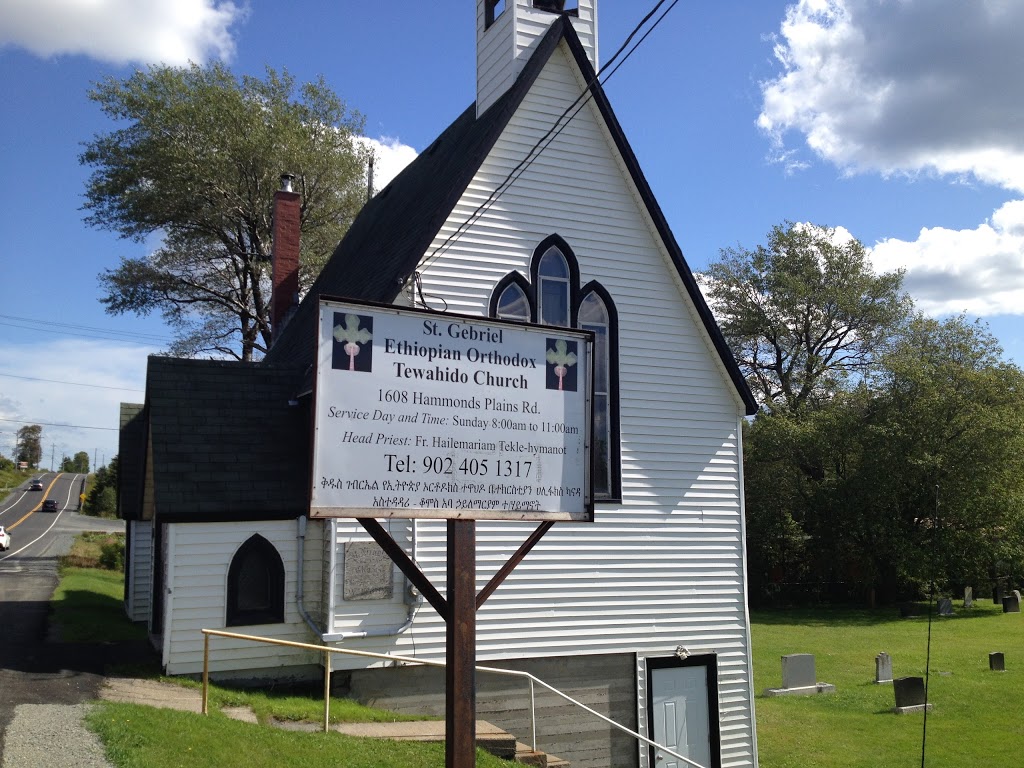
x=507, y=32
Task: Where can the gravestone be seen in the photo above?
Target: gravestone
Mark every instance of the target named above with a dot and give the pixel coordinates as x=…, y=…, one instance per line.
x=1011, y=603
x=996, y=662
x=909, y=693
x=997, y=594
x=798, y=670
x=968, y=597
x=945, y=606
x=799, y=677
x=883, y=668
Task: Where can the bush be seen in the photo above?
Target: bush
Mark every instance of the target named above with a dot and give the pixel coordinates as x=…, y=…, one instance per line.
x=102, y=502
x=112, y=554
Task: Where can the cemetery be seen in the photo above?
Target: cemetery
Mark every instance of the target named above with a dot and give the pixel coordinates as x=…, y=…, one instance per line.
x=973, y=686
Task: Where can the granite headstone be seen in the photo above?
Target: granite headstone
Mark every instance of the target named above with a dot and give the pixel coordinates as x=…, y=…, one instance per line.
x=883, y=668
x=798, y=670
x=910, y=696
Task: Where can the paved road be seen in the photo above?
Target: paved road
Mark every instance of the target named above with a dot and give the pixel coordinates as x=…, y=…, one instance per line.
x=34, y=670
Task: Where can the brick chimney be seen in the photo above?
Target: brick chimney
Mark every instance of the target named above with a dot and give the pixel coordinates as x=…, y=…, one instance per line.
x=285, y=274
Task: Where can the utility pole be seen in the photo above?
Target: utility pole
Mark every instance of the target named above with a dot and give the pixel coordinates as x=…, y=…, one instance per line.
x=53, y=449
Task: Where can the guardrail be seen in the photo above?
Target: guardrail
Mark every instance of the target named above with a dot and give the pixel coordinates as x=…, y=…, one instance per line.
x=327, y=651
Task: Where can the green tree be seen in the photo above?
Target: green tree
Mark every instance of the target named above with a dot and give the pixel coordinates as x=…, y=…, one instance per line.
x=196, y=158
x=78, y=464
x=883, y=487
x=949, y=453
x=30, y=445
x=101, y=501
x=804, y=312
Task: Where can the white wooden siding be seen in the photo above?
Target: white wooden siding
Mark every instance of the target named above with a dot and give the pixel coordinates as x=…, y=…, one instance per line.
x=199, y=557
x=495, y=54
x=505, y=47
x=138, y=601
x=369, y=615
x=666, y=567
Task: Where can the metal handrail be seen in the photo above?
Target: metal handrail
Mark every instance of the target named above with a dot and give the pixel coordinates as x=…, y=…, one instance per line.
x=327, y=651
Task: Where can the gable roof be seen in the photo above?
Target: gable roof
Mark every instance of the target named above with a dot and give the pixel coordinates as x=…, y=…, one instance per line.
x=228, y=439
x=389, y=237
x=131, y=461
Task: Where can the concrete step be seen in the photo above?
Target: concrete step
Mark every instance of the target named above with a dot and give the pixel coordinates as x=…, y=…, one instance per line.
x=488, y=736
x=526, y=756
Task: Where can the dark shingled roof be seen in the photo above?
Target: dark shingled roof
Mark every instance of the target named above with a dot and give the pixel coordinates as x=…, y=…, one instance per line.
x=131, y=461
x=392, y=233
x=227, y=443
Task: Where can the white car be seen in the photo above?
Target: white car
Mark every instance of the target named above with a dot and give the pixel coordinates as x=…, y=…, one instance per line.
x=5, y=539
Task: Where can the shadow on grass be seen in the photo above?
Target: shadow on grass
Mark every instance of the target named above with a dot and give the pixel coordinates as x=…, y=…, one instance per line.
x=831, y=616
x=825, y=616
x=85, y=616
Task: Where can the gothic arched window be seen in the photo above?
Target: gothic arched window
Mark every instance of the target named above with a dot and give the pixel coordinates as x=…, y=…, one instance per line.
x=255, y=584
x=553, y=288
x=595, y=315
x=554, y=297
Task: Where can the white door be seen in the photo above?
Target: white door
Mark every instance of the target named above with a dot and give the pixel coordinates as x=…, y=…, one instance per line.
x=681, y=718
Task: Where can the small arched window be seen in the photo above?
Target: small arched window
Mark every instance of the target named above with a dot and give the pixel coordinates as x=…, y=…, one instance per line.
x=255, y=584
x=513, y=304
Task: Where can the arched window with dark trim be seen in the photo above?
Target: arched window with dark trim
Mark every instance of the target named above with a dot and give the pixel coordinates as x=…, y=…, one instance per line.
x=553, y=297
x=512, y=299
x=597, y=314
x=553, y=288
x=255, y=584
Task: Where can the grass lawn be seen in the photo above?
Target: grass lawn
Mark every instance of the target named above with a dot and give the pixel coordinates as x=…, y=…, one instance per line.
x=978, y=715
x=143, y=737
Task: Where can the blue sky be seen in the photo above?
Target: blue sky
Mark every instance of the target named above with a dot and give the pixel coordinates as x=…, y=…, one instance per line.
x=896, y=120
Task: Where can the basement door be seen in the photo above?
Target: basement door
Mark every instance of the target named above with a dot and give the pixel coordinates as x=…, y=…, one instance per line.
x=683, y=709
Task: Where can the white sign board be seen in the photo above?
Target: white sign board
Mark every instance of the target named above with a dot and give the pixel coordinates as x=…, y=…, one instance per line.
x=423, y=414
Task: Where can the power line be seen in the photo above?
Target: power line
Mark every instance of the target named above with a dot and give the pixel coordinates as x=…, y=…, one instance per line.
x=74, y=329
x=556, y=129
x=65, y=426
x=71, y=383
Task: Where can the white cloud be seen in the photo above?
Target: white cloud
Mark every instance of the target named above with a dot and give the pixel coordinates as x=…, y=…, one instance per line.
x=978, y=271
x=173, y=32
x=74, y=417
x=390, y=158
x=903, y=86
x=915, y=87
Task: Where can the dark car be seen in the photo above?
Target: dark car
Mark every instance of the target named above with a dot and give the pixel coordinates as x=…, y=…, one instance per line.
x=36, y=485
x=50, y=505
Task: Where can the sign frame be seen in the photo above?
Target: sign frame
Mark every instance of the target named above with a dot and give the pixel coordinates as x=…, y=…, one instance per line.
x=562, y=504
